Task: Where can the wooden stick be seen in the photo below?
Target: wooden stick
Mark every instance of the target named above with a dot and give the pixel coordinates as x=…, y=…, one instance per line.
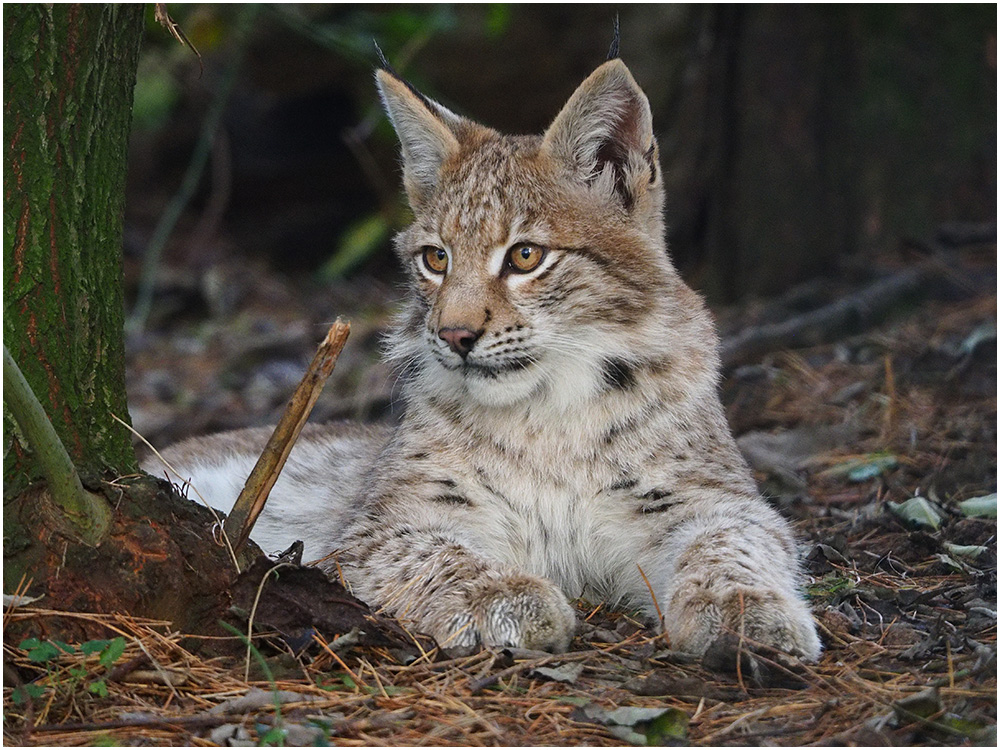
x=258, y=485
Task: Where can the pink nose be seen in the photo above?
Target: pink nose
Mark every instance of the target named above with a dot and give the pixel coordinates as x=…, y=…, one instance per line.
x=461, y=340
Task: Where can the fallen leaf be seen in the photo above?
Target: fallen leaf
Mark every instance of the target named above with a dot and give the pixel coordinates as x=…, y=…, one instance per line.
x=636, y=725
x=19, y=600
x=255, y=698
x=965, y=550
x=980, y=507
x=568, y=673
x=954, y=564
x=917, y=511
x=921, y=705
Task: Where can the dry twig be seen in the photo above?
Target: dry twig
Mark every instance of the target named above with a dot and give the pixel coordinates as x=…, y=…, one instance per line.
x=265, y=473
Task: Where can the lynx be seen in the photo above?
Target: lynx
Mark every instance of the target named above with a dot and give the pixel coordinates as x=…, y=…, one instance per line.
x=563, y=435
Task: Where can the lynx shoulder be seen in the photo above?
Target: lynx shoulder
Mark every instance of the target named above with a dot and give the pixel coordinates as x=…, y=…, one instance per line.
x=563, y=436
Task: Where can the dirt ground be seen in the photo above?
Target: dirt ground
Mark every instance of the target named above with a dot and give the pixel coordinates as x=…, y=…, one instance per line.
x=879, y=442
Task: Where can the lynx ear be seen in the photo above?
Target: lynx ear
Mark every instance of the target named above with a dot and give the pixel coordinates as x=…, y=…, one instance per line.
x=426, y=130
x=605, y=134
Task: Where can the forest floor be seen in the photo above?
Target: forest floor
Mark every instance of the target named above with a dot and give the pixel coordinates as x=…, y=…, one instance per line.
x=843, y=434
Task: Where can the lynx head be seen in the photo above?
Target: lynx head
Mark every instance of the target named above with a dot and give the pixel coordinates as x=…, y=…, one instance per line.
x=537, y=263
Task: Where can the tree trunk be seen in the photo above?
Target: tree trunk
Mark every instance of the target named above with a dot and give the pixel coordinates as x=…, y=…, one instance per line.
x=69, y=72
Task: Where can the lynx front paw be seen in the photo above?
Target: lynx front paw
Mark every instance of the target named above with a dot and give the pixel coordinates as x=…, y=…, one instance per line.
x=519, y=611
x=714, y=624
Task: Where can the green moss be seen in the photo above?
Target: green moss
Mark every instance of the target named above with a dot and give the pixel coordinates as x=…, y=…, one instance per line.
x=69, y=75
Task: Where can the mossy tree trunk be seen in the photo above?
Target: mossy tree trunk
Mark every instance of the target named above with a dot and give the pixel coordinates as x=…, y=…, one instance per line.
x=69, y=74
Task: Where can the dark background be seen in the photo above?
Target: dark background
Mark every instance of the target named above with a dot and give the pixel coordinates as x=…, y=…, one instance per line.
x=792, y=137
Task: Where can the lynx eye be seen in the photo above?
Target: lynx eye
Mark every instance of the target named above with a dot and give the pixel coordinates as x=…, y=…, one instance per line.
x=525, y=258
x=435, y=259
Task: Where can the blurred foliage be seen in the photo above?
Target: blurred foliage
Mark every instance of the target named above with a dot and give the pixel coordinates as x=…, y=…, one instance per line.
x=791, y=137
x=157, y=91
x=353, y=34
x=359, y=242
x=498, y=17
x=166, y=67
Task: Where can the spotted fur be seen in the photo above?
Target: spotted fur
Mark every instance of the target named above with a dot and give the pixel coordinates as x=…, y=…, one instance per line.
x=578, y=444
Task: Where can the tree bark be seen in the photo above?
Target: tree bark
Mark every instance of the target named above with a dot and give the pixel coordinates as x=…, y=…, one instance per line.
x=69, y=74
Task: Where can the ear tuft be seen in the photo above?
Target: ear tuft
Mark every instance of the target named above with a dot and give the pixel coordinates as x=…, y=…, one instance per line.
x=426, y=130
x=383, y=62
x=614, y=52
x=605, y=134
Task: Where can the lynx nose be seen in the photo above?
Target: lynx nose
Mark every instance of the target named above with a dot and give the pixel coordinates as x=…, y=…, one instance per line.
x=461, y=340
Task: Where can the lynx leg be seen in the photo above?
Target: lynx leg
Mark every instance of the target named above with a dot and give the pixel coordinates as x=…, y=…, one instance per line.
x=734, y=580
x=456, y=596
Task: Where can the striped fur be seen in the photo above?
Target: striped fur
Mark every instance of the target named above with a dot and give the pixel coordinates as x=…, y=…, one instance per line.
x=580, y=442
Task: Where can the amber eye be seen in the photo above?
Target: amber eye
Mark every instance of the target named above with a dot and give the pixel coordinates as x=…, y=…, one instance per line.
x=435, y=259
x=525, y=258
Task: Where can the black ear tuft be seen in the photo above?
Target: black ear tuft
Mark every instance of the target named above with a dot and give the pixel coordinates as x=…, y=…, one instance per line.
x=613, y=53
x=383, y=63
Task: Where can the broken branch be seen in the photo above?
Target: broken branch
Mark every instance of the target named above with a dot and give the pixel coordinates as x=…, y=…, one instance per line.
x=265, y=473
x=824, y=324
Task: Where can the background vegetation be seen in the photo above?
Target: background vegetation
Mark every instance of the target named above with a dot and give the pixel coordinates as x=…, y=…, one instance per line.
x=793, y=137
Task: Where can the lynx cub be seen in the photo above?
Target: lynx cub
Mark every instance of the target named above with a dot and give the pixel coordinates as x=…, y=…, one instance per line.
x=562, y=428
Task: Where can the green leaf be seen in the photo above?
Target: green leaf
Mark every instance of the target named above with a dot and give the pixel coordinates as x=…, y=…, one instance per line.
x=637, y=725
x=23, y=693
x=42, y=653
x=962, y=725
x=29, y=643
x=360, y=240
x=829, y=585
x=99, y=688
x=346, y=679
x=93, y=647
x=874, y=467
x=668, y=728
x=112, y=652
x=917, y=511
x=273, y=737
x=64, y=647
x=863, y=468
x=980, y=507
